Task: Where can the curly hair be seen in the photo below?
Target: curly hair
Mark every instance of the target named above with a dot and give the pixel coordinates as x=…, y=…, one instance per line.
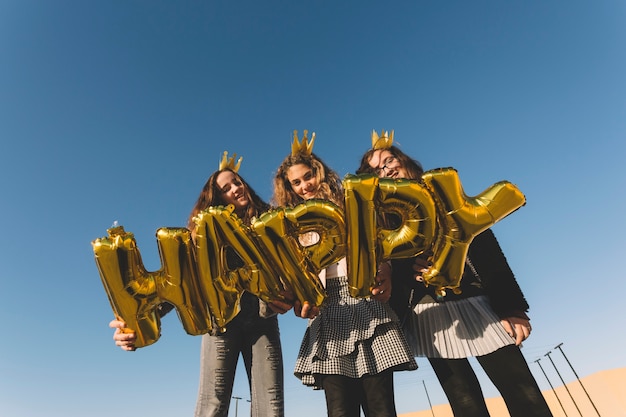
x=211, y=195
x=330, y=187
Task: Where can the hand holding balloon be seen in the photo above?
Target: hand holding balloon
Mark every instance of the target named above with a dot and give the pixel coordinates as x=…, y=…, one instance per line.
x=124, y=337
x=281, y=307
x=421, y=266
x=305, y=310
x=382, y=290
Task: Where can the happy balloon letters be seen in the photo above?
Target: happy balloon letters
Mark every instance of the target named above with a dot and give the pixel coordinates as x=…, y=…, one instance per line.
x=198, y=277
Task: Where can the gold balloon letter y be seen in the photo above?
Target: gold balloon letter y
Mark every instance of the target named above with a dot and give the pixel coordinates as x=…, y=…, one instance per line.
x=461, y=218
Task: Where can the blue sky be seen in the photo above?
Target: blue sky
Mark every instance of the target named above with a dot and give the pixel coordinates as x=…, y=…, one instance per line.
x=119, y=111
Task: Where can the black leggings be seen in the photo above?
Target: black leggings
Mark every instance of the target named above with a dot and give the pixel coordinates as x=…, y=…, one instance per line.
x=346, y=396
x=507, y=369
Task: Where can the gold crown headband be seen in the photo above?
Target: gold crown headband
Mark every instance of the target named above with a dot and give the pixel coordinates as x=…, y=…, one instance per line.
x=384, y=141
x=229, y=163
x=303, y=147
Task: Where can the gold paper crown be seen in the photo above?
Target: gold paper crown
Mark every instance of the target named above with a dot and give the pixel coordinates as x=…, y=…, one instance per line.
x=229, y=163
x=384, y=141
x=304, y=147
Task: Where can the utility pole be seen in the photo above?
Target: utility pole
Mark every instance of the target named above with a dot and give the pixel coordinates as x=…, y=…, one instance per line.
x=579, y=381
x=564, y=384
x=427, y=396
x=550, y=383
x=236, y=404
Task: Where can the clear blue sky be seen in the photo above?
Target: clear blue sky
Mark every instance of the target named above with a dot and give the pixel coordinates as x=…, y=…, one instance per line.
x=119, y=110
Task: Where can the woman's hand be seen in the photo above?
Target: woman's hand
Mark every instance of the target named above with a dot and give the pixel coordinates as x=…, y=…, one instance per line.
x=420, y=267
x=279, y=307
x=124, y=338
x=283, y=306
x=305, y=310
x=518, y=328
x=382, y=291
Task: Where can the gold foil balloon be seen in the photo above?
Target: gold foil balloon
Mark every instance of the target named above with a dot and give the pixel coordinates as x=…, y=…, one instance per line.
x=461, y=218
x=361, y=217
x=326, y=220
x=279, y=232
x=135, y=293
x=178, y=283
x=205, y=281
x=367, y=199
x=219, y=230
x=413, y=204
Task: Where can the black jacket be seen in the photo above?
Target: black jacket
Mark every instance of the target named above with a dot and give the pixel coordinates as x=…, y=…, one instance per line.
x=494, y=278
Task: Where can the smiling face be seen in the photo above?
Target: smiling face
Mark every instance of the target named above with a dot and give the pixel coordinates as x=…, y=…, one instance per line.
x=303, y=181
x=232, y=190
x=386, y=164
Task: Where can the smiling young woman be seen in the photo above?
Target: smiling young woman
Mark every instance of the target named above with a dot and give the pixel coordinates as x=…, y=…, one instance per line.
x=253, y=333
x=486, y=320
x=352, y=346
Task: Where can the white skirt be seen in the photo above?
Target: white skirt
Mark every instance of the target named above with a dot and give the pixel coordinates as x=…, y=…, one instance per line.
x=455, y=329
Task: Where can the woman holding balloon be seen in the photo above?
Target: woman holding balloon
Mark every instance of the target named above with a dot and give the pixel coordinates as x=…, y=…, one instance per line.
x=486, y=320
x=351, y=346
x=253, y=332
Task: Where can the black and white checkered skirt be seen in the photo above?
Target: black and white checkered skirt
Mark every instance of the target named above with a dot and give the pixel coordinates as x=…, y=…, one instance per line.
x=456, y=329
x=352, y=337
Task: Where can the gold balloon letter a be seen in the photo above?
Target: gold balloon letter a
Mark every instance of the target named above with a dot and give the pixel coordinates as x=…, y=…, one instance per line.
x=460, y=219
x=219, y=230
x=135, y=293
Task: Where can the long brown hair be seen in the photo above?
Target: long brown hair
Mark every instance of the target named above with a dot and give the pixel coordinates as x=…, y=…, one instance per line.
x=330, y=187
x=211, y=195
x=413, y=168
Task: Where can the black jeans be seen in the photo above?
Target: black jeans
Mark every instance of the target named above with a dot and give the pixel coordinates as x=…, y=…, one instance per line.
x=346, y=396
x=507, y=369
